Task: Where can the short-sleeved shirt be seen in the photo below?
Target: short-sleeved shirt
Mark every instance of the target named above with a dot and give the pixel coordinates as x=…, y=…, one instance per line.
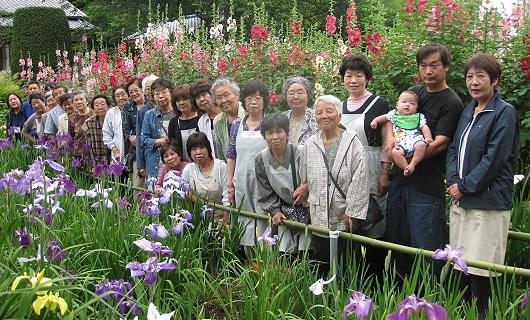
x=442, y=110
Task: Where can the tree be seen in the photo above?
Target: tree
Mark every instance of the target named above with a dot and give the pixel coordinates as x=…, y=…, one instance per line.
x=37, y=33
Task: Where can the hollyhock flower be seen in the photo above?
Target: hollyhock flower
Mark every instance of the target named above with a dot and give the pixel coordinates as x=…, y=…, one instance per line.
x=330, y=24
x=294, y=27
x=21, y=62
x=153, y=247
x=23, y=237
x=156, y=230
x=413, y=304
x=55, y=251
x=34, y=280
x=153, y=314
x=417, y=79
x=452, y=255
x=267, y=238
x=50, y=301
x=445, y=2
x=318, y=287
x=150, y=268
x=273, y=98
x=358, y=303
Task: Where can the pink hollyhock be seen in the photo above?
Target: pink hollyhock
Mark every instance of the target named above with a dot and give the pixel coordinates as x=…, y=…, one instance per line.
x=273, y=98
x=351, y=14
x=445, y=2
x=330, y=24
x=222, y=64
x=294, y=27
x=258, y=32
x=417, y=79
x=21, y=62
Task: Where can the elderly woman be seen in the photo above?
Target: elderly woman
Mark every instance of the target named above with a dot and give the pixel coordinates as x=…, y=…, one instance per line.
x=201, y=98
x=113, y=125
x=480, y=167
x=77, y=119
x=276, y=185
x=302, y=122
x=358, y=111
x=225, y=93
x=207, y=176
x=333, y=163
x=65, y=101
x=245, y=143
x=186, y=120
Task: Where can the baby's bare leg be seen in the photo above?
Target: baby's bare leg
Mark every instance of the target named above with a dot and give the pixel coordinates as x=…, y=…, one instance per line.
x=419, y=153
x=399, y=157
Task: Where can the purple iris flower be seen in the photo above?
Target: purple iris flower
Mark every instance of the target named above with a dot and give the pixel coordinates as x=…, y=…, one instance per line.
x=267, y=238
x=182, y=218
x=413, y=304
x=12, y=130
x=150, y=268
x=99, y=169
x=55, y=251
x=23, y=237
x=68, y=274
x=76, y=162
x=116, y=168
x=525, y=298
x=452, y=255
x=25, y=146
x=123, y=203
x=206, y=209
x=122, y=290
x=156, y=230
x=5, y=143
x=358, y=303
x=153, y=247
x=63, y=184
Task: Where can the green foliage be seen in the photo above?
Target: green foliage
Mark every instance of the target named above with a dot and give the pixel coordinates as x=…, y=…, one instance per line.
x=37, y=33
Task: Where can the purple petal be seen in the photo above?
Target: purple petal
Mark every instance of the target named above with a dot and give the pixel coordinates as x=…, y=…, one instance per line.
x=150, y=278
x=461, y=263
x=54, y=165
x=136, y=269
x=440, y=254
x=434, y=311
x=525, y=298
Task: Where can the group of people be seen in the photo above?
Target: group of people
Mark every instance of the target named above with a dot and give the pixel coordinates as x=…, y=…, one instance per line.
x=325, y=161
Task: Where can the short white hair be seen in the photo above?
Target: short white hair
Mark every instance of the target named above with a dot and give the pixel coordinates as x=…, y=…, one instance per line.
x=329, y=99
x=147, y=79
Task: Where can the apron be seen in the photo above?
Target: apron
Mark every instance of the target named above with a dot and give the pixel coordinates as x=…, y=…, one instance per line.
x=185, y=135
x=248, y=144
x=209, y=188
x=281, y=180
x=355, y=122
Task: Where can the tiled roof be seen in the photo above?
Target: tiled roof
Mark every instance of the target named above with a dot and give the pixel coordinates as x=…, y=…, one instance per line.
x=10, y=6
x=76, y=17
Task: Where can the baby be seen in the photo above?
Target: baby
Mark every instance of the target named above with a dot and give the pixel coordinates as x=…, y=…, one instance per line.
x=409, y=128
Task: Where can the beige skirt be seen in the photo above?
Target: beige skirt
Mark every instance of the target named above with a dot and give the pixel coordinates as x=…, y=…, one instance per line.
x=482, y=233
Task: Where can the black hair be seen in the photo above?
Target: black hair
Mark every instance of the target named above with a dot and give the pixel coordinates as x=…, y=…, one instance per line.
x=275, y=120
x=99, y=96
x=37, y=95
x=198, y=139
x=251, y=88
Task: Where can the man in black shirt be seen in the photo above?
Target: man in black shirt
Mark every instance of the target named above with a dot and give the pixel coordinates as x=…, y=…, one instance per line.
x=416, y=203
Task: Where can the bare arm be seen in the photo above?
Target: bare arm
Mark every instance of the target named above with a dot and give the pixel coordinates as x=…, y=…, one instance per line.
x=427, y=134
x=230, y=168
x=378, y=120
x=439, y=144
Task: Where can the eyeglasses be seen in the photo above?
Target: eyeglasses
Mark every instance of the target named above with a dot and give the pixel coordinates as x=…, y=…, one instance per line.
x=224, y=96
x=159, y=93
x=255, y=99
x=299, y=93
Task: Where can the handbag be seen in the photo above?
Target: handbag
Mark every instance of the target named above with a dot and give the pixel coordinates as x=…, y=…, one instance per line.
x=374, y=214
x=294, y=212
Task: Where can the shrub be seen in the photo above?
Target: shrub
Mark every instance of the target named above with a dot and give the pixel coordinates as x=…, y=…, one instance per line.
x=37, y=33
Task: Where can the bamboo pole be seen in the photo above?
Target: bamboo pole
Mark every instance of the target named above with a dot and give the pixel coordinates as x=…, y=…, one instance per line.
x=382, y=244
